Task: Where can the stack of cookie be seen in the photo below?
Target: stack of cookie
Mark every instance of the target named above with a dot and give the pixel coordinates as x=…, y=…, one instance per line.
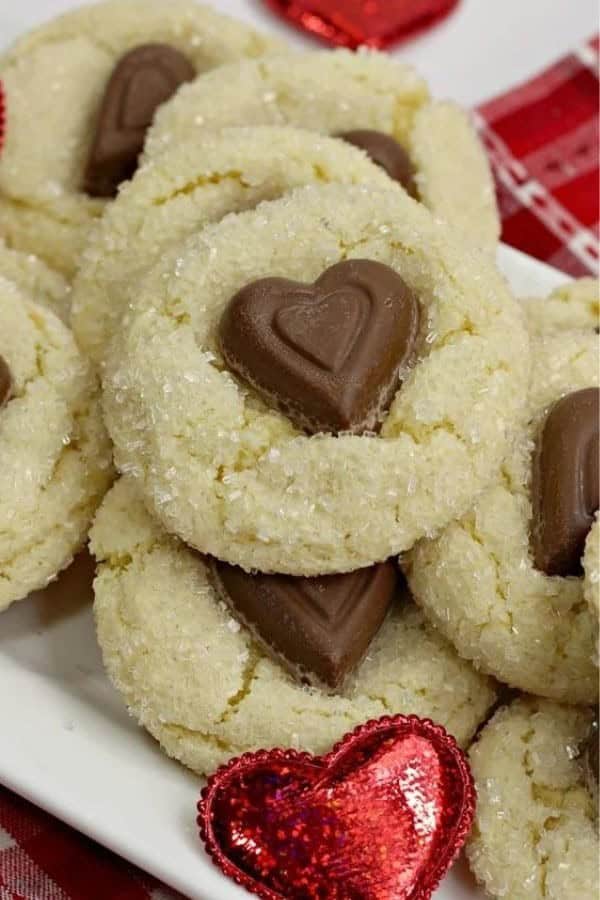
x=316, y=384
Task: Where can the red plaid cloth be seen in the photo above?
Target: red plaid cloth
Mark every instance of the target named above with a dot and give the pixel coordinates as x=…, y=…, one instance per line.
x=42, y=859
x=542, y=139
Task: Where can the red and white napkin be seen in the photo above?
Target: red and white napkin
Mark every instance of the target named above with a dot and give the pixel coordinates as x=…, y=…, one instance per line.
x=542, y=140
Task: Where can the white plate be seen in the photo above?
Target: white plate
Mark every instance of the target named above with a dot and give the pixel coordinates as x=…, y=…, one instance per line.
x=68, y=745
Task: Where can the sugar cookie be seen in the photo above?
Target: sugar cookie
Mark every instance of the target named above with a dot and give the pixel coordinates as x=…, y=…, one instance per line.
x=55, y=461
x=54, y=80
x=479, y=581
x=339, y=92
x=535, y=835
x=233, y=476
x=193, y=676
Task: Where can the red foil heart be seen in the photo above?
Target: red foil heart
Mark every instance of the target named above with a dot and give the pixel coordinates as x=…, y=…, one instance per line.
x=355, y=23
x=380, y=817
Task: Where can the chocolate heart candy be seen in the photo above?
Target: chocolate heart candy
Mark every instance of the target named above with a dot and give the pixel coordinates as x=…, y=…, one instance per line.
x=387, y=153
x=330, y=355
x=320, y=626
x=564, y=487
x=6, y=382
x=143, y=79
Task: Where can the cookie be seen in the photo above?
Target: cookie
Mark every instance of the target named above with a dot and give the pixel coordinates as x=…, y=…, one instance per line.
x=575, y=304
x=535, y=835
x=219, y=462
x=55, y=460
x=486, y=581
x=340, y=92
x=195, y=678
x=37, y=280
x=54, y=81
x=189, y=186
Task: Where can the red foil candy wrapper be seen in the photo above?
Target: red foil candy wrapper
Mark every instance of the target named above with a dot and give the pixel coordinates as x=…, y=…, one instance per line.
x=353, y=23
x=381, y=817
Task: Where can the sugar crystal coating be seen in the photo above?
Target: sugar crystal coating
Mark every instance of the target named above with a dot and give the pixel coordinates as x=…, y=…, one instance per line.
x=55, y=461
x=194, y=677
x=338, y=91
x=535, y=834
x=54, y=78
x=201, y=444
x=477, y=581
x=189, y=186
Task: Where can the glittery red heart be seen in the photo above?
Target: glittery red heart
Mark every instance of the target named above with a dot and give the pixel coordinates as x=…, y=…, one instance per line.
x=381, y=817
x=353, y=23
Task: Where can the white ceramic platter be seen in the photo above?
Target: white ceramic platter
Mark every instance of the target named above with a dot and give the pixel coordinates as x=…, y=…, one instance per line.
x=67, y=744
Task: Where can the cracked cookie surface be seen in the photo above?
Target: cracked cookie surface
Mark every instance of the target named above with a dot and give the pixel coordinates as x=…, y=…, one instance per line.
x=232, y=476
x=34, y=278
x=186, y=188
x=477, y=581
x=535, y=835
x=196, y=680
x=338, y=91
x=54, y=79
x=574, y=305
x=55, y=461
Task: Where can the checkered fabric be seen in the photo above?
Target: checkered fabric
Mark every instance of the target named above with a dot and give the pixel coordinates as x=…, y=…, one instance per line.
x=542, y=139
x=42, y=859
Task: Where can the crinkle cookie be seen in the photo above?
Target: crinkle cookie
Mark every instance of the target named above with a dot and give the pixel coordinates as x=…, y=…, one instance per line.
x=219, y=462
x=36, y=279
x=575, y=304
x=514, y=615
x=187, y=187
x=55, y=79
x=54, y=452
x=535, y=835
x=195, y=678
x=439, y=157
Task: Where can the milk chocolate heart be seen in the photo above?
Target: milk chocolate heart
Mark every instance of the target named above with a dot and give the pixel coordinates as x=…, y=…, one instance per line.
x=143, y=79
x=352, y=23
x=564, y=490
x=329, y=355
x=322, y=627
x=386, y=153
x=381, y=817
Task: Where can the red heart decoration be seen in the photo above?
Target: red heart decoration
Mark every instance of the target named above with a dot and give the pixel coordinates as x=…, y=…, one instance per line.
x=355, y=23
x=380, y=817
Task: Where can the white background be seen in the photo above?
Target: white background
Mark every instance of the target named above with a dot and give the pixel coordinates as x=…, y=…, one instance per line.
x=484, y=47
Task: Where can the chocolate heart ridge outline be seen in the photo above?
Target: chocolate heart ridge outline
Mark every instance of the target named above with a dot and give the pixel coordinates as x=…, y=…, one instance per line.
x=425, y=728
